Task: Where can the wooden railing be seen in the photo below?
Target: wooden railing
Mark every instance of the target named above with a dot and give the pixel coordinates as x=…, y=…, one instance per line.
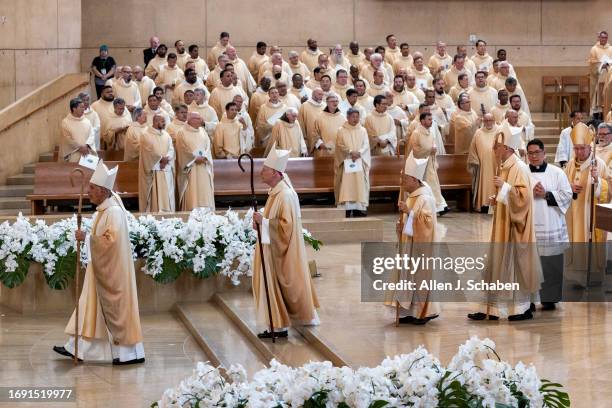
x=31, y=125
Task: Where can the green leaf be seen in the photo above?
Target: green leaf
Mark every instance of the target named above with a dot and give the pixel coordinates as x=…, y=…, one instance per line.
x=170, y=271
x=13, y=279
x=210, y=267
x=65, y=270
x=378, y=404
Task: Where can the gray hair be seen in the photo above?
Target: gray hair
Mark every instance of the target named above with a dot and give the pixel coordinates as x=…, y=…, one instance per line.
x=350, y=111
x=604, y=125
x=293, y=54
x=376, y=56
x=136, y=114
x=118, y=101
x=83, y=95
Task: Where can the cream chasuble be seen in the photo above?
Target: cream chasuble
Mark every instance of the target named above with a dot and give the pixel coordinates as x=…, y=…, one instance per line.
x=482, y=62
x=181, y=59
x=108, y=304
x=463, y=125
x=457, y=90
x=290, y=288
x=155, y=185
x=154, y=66
x=451, y=77
x=355, y=59
x=221, y=96
x=178, y=95
x=213, y=54
x=201, y=68
x=381, y=127
x=287, y=136
x=424, y=79
x=376, y=89
x=310, y=58
x=422, y=141
x=439, y=63
x=482, y=165
x=480, y=97
x=404, y=63
x=300, y=68
x=513, y=256
x=308, y=114
x=104, y=109
x=151, y=114
x=76, y=132
x=291, y=101
x=116, y=127
x=267, y=116
x=499, y=112
x=418, y=92
x=325, y=131
x=596, y=75
x=352, y=190
x=227, y=139
x=173, y=127
x=423, y=218
x=130, y=93
x=258, y=98
x=194, y=181
x=131, y=151
x=145, y=88
x=209, y=116
x=94, y=119
x=255, y=62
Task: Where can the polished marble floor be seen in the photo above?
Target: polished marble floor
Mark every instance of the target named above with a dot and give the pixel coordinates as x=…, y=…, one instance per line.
x=571, y=345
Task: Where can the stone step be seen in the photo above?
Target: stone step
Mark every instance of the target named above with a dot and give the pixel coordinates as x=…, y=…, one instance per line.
x=21, y=179
x=14, y=203
x=546, y=123
x=46, y=157
x=219, y=337
x=546, y=131
x=346, y=230
x=15, y=190
x=294, y=350
x=322, y=213
x=29, y=168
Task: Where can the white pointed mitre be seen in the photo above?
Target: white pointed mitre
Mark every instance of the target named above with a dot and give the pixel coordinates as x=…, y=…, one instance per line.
x=415, y=167
x=104, y=177
x=277, y=159
x=511, y=136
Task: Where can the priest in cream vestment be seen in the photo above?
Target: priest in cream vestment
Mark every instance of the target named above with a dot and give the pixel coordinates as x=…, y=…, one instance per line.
x=230, y=139
x=600, y=63
x=482, y=164
x=381, y=129
x=423, y=146
x=194, y=166
x=352, y=162
x=109, y=321
x=117, y=125
x=267, y=116
x=513, y=256
x=287, y=135
x=77, y=135
x=463, y=125
x=224, y=93
x=156, y=169
x=418, y=228
x=290, y=288
x=127, y=90
x=584, y=175
x=137, y=128
x=482, y=96
x=326, y=128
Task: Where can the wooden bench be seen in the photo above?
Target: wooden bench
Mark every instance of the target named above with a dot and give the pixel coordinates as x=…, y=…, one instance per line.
x=308, y=176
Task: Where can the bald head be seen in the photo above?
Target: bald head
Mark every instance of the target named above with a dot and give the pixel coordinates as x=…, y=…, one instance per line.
x=194, y=119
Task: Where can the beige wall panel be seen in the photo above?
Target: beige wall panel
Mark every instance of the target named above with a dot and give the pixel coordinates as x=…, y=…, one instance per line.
x=36, y=24
x=68, y=61
x=69, y=18
x=408, y=20
x=133, y=22
x=8, y=29
x=574, y=22
x=7, y=95
x=7, y=68
x=531, y=81
x=35, y=67
x=288, y=22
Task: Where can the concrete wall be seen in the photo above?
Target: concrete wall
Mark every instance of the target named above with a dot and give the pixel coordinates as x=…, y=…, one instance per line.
x=39, y=40
x=31, y=126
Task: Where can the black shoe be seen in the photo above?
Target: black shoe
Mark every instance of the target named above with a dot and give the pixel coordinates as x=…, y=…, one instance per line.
x=482, y=316
x=407, y=319
x=420, y=322
x=484, y=209
x=134, y=361
x=360, y=214
x=62, y=350
x=520, y=317
x=532, y=307
x=279, y=335
x=547, y=306
x=444, y=211
x=348, y=213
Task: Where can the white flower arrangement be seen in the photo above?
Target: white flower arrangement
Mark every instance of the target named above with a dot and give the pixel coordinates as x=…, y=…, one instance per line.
x=473, y=379
x=207, y=244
